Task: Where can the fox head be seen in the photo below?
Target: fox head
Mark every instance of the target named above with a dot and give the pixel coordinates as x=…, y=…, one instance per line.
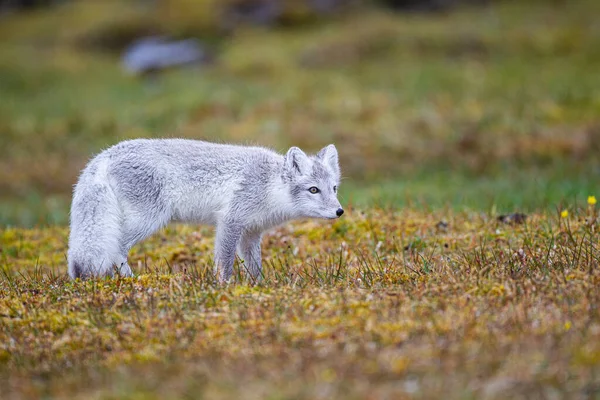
x=313, y=182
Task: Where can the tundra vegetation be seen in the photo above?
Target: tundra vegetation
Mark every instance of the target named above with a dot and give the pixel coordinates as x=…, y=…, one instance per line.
x=432, y=284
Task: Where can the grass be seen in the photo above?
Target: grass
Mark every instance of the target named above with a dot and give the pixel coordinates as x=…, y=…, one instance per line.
x=443, y=123
x=378, y=304
x=495, y=97
x=507, y=191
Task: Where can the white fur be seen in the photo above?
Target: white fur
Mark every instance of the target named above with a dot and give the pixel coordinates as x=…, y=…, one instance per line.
x=131, y=190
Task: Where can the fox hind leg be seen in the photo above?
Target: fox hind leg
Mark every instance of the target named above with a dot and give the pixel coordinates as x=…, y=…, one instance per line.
x=135, y=230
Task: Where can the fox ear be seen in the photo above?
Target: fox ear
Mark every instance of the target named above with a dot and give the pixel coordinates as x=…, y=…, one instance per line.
x=296, y=162
x=329, y=156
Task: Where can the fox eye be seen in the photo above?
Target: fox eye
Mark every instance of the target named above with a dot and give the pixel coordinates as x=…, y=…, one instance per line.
x=335, y=189
x=314, y=190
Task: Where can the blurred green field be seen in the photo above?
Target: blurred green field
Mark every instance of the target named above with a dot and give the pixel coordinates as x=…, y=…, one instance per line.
x=481, y=108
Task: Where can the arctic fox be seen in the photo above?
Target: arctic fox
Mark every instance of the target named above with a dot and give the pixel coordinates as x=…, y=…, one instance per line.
x=134, y=188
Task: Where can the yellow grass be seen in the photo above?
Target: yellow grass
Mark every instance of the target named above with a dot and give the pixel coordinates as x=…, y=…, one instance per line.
x=378, y=304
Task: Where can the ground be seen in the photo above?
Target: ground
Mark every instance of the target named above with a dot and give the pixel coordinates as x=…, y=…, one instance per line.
x=465, y=266
x=379, y=304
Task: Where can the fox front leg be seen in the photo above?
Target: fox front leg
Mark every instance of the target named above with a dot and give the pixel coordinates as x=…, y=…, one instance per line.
x=249, y=251
x=226, y=241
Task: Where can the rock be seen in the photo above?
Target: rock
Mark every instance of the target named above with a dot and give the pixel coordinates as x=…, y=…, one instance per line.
x=427, y=5
x=442, y=226
x=513, y=219
x=9, y=5
x=254, y=12
x=326, y=6
x=156, y=53
x=271, y=12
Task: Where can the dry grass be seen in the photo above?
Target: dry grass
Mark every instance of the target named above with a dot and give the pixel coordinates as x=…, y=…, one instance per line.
x=379, y=304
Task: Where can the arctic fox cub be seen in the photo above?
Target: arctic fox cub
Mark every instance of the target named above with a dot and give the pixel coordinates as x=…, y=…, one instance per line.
x=134, y=188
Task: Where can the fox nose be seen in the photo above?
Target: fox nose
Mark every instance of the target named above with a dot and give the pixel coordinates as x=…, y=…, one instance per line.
x=339, y=212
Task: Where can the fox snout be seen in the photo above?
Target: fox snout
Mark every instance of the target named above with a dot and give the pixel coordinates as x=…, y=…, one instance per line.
x=339, y=212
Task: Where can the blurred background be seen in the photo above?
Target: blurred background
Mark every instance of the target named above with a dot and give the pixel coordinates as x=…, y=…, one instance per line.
x=467, y=104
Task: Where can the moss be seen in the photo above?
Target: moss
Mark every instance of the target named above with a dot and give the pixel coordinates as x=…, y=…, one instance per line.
x=436, y=314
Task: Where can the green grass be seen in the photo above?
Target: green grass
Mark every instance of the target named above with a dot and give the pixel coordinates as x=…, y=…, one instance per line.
x=509, y=191
x=494, y=97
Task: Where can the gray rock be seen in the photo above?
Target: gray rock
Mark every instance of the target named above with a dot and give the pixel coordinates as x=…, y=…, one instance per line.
x=155, y=53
